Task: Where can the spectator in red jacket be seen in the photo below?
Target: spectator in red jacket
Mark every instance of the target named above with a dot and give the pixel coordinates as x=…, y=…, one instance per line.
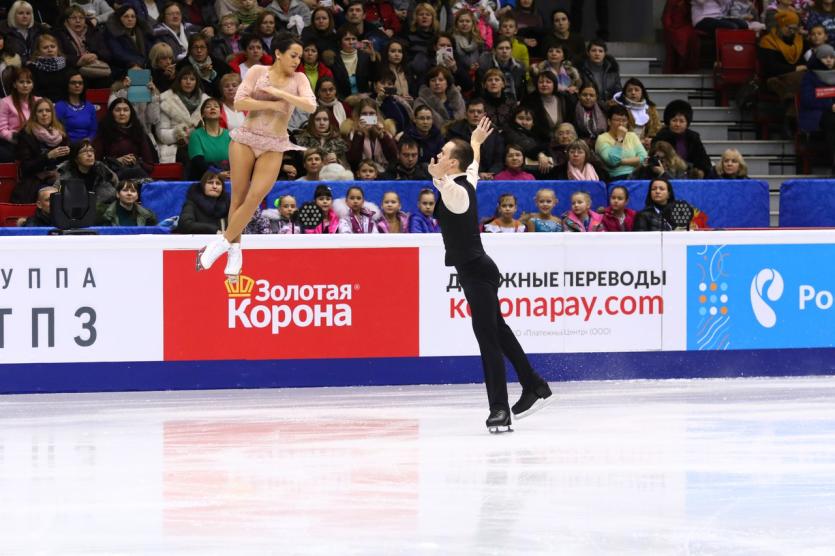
x=618, y=217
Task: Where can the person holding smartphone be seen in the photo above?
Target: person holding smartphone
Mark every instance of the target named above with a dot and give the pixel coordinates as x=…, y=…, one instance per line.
x=370, y=136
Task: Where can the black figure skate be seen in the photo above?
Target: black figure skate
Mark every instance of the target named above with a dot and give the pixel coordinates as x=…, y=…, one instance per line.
x=532, y=401
x=499, y=421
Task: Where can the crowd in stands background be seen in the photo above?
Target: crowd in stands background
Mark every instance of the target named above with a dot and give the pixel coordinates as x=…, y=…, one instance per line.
x=394, y=80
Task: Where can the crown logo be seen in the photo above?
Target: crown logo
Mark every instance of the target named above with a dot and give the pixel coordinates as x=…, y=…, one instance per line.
x=242, y=287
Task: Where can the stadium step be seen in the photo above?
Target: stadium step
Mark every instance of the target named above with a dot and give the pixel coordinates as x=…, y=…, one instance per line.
x=663, y=97
x=712, y=131
x=750, y=148
x=779, y=167
x=636, y=66
x=674, y=81
x=635, y=50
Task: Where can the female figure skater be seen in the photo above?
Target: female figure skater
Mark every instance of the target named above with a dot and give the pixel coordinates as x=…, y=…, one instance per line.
x=269, y=94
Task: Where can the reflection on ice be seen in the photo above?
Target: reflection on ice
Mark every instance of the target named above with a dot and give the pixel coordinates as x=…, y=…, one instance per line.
x=677, y=467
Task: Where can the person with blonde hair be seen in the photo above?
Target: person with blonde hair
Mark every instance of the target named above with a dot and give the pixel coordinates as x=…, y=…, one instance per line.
x=730, y=167
x=20, y=30
x=423, y=28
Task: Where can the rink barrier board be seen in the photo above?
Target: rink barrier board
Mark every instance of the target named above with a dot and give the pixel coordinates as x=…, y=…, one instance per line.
x=130, y=313
x=217, y=375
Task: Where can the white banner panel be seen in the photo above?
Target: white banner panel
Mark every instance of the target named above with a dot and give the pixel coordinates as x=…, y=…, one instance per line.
x=561, y=293
x=76, y=303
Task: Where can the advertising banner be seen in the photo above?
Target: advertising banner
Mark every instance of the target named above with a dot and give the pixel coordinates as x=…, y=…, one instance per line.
x=570, y=294
x=79, y=304
x=760, y=296
x=294, y=304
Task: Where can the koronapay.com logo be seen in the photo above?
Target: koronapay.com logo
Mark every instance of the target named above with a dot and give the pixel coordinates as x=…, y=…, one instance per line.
x=767, y=284
x=294, y=304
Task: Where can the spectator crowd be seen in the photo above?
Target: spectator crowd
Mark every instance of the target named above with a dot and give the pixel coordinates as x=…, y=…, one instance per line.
x=394, y=80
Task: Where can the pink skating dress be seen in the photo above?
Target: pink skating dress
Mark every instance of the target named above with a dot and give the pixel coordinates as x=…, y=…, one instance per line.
x=260, y=129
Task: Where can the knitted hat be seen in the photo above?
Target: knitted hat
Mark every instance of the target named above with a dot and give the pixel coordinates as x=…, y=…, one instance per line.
x=787, y=17
x=678, y=107
x=824, y=51
x=322, y=191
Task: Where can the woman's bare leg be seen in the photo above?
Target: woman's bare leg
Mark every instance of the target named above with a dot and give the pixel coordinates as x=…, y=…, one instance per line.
x=241, y=165
x=264, y=174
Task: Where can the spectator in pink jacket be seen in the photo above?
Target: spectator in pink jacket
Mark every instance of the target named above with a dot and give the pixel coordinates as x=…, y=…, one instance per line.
x=514, y=162
x=393, y=220
x=14, y=111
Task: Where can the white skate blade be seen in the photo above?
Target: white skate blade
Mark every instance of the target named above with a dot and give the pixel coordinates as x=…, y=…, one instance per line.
x=540, y=403
x=500, y=430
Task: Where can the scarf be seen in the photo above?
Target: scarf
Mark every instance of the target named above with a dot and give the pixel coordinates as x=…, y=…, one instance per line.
x=211, y=206
x=211, y=76
x=373, y=149
x=336, y=109
x=78, y=40
x=51, y=137
x=593, y=121
x=464, y=44
x=586, y=174
x=50, y=65
x=350, y=61
x=401, y=83
x=826, y=76
x=791, y=52
x=639, y=110
x=191, y=103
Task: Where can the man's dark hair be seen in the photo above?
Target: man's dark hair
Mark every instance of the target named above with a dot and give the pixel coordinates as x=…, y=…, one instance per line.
x=597, y=42
x=385, y=74
x=476, y=100
x=616, y=110
x=406, y=141
x=462, y=152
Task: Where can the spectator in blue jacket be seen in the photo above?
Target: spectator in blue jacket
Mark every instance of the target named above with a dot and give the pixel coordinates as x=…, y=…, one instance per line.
x=422, y=222
x=76, y=113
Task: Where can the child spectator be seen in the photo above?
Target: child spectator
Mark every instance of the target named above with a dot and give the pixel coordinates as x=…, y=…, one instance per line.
x=508, y=28
x=544, y=220
x=367, y=170
x=823, y=14
x=392, y=220
x=819, y=113
x=503, y=221
x=618, y=217
x=581, y=218
x=323, y=197
x=666, y=162
x=356, y=214
x=817, y=37
x=206, y=207
x=126, y=210
x=423, y=221
x=275, y=221
x=514, y=161
x=731, y=166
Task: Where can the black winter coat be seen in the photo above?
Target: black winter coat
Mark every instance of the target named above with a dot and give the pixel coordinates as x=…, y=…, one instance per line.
x=696, y=153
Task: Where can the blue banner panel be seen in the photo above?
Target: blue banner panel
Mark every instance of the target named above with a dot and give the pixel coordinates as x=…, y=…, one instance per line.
x=727, y=203
x=760, y=296
x=166, y=198
x=807, y=203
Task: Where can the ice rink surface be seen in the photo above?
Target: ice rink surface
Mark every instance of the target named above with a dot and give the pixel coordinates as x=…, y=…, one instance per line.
x=726, y=467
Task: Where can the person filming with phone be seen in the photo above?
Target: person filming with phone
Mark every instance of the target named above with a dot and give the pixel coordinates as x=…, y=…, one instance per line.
x=370, y=136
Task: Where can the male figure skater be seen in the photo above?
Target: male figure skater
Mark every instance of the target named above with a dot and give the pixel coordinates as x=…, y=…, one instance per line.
x=455, y=175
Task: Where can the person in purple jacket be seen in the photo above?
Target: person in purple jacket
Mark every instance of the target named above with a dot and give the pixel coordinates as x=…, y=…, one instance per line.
x=422, y=222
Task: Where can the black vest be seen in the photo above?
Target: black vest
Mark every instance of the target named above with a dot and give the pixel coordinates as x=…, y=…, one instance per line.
x=460, y=232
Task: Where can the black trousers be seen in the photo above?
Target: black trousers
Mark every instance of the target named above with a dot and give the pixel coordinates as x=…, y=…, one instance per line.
x=480, y=280
x=828, y=126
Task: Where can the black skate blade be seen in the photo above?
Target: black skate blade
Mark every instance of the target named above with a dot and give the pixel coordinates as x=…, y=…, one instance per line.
x=540, y=403
x=500, y=429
